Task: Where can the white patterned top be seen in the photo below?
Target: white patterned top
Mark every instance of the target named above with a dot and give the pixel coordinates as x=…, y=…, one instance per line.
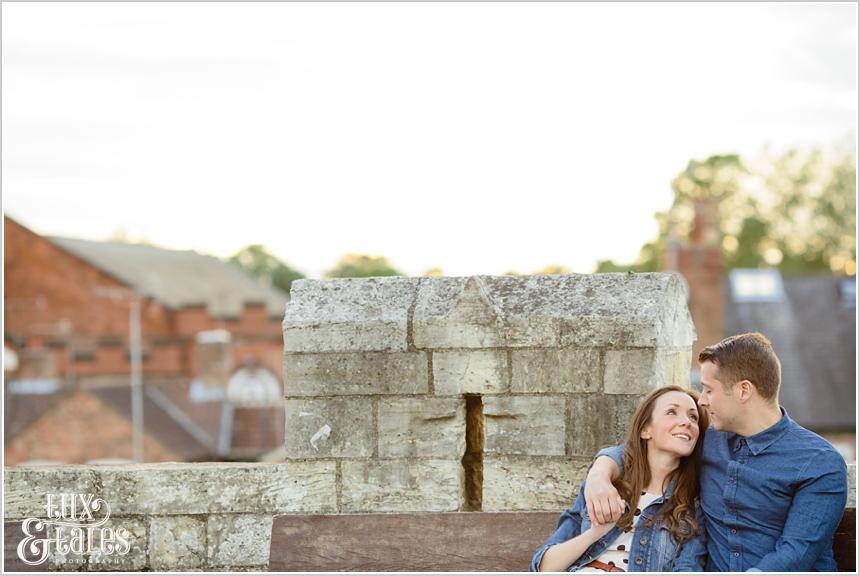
x=618, y=553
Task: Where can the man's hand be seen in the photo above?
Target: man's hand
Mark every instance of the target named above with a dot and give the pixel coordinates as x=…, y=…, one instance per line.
x=604, y=504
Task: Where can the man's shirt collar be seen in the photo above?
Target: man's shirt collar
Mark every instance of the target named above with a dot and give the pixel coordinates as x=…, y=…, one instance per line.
x=758, y=443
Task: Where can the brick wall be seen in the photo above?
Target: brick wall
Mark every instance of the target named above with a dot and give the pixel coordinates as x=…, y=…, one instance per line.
x=54, y=305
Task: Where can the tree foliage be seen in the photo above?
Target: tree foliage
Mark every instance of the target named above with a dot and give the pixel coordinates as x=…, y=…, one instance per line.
x=794, y=211
x=362, y=266
x=553, y=269
x=259, y=262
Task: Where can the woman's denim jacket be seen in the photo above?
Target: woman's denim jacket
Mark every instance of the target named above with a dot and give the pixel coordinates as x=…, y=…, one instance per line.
x=653, y=547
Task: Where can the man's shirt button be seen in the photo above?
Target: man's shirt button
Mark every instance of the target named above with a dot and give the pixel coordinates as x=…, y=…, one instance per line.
x=734, y=531
x=736, y=554
x=639, y=561
x=643, y=541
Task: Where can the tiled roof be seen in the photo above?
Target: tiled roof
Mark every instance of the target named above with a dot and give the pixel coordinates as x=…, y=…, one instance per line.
x=814, y=334
x=178, y=278
x=157, y=424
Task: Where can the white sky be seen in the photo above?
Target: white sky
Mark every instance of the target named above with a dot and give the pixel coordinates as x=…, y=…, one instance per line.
x=475, y=137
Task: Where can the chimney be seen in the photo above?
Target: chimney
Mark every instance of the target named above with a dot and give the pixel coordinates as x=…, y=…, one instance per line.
x=700, y=261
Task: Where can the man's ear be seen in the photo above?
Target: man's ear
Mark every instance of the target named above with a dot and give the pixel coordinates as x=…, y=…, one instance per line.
x=745, y=390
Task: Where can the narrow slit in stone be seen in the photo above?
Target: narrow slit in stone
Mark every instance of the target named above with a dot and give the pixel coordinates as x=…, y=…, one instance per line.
x=473, y=459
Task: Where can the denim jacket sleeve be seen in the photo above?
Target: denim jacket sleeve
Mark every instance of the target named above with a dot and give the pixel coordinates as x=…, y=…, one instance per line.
x=569, y=525
x=614, y=452
x=693, y=554
x=816, y=509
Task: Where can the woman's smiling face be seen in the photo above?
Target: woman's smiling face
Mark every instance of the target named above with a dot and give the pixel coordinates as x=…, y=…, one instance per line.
x=674, y=424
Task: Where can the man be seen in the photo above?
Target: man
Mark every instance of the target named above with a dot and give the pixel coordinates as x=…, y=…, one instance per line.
x=772, y=492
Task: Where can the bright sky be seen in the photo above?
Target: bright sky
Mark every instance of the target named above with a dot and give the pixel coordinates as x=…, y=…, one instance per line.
x=477, y=137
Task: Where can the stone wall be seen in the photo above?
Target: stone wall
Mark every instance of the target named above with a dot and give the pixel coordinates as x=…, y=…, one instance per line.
x=213, y=516
x=479, y=393
x=402, y=394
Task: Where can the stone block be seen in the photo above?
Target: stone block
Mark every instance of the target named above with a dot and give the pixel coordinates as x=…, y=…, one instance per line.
x=463, y=313
x=583, y=310
x=25, y=488
x=598, y=421
x=330, y=427
x=641, y=371
x=514, y=483
x=349, y=314
x=470, y=372
x=401, y=485
x=852, y=486
x=106, y=556
x=338, y=374
x=176, y=542
x=202, y=488
x=426, y=427
x=238, y=539
x=65, y=558
x=532, y=425
x=555, y=370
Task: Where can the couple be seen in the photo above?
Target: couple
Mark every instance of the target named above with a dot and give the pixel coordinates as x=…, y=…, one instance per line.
x=754, y=492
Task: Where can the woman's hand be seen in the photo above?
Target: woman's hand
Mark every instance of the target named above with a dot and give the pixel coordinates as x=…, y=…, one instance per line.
x=597, y=531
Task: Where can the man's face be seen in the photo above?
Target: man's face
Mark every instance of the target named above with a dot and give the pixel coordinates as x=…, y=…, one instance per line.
x=722, y=406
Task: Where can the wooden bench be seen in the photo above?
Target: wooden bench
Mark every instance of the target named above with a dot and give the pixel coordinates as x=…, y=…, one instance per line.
x=436, y=542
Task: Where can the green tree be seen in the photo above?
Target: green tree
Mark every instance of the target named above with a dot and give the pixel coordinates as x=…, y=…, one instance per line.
x=795, y=212
x=812, y=197
x=553, y=269
x=362, y=266
x=259, y=262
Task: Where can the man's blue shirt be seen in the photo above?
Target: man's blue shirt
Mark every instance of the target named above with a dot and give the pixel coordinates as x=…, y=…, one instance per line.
x=771, y=501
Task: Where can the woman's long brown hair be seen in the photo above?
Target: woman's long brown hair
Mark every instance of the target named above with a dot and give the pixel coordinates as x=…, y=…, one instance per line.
x=679, y=511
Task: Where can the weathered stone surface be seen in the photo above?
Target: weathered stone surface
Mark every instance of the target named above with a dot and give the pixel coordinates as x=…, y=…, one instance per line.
x=531, y=483
x=584, y=310
x=26, y=487
x=556, y=370
x=349, y=314
x=640, y=371
x=65, y=558
x=330, y=427
x=476, y=372
x=105, y=558
x=355, y=373
x=426, y=427
x=532, y=425
x=852, y=486
x=401, y=485
x=591, y=310
x=463, y=313
x=599, y=420
x=201, y=488
x=238, y=539
x=176, y=542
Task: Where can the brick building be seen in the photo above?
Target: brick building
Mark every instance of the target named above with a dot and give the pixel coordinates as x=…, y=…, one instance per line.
x=69, y=306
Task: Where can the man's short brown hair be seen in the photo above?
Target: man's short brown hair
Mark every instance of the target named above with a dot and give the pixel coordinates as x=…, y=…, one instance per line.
x=746, y=357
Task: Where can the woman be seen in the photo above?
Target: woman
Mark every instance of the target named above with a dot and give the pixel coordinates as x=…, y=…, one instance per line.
x=662, y=530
